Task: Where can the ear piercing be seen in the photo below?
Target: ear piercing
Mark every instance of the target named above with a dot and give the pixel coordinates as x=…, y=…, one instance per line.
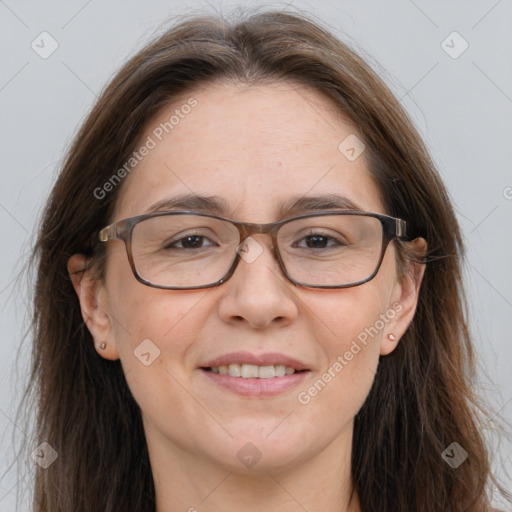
x=103, y=345
x=391, y=337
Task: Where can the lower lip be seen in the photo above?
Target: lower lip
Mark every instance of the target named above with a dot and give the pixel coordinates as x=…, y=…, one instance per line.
x=256, y=387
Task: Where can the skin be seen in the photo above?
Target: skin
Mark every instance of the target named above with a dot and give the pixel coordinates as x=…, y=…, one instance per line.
x=254, y=147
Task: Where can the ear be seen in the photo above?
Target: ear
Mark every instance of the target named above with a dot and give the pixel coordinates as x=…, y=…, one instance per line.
x=405, y=299
x=93, y=304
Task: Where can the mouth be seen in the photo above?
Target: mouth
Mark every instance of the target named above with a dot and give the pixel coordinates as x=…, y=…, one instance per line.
x=252, y=371
x=255, y=376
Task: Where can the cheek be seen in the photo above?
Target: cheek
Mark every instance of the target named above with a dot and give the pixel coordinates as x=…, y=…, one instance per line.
x=153, y=331
x=154, y=351
x=350, y=317
x=350, y=325
x=140, y=312
x=352, y=350
x=168, y=324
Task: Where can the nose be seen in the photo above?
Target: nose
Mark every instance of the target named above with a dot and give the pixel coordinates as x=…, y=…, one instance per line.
x=258, y=293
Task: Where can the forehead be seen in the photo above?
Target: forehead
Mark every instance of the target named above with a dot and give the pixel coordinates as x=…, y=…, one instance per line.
x=255, y=148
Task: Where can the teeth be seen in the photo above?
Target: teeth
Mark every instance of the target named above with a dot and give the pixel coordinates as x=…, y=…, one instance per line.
x=266, y=372
x=248, y=371
x=281, y=370
x=234, y=370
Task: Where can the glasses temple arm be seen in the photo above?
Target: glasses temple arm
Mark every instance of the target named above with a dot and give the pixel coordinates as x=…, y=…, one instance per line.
x=108, y=233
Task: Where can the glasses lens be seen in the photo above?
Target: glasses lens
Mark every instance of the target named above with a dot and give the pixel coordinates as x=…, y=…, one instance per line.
x=185, y=250
x=331, y=250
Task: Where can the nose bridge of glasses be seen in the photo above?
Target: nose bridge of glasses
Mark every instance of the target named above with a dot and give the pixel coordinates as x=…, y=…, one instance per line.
x=248, y=229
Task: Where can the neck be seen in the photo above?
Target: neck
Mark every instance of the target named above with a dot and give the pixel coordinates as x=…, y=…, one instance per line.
x=191, y=482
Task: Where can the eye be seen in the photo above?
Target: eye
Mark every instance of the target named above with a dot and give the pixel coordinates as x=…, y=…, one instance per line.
x=189, y=242
x=319, y=241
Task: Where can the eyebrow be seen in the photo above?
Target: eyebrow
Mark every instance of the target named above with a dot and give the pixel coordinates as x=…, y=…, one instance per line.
x=289, y=208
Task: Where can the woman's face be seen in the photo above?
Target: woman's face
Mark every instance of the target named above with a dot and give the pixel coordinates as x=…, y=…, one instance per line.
x=254, y=148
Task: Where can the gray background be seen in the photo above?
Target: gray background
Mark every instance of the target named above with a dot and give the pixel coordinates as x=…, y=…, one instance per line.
x=462, y=106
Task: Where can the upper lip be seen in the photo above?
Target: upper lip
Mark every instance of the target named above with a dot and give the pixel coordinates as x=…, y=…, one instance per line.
x=268, y=359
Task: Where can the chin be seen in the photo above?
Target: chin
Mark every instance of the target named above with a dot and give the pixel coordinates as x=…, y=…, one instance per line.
x=259, y=450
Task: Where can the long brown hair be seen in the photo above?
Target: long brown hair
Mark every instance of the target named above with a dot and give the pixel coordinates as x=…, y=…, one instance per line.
x=421, y=400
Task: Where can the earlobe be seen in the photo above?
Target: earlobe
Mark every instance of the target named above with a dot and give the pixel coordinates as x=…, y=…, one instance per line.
x=407, y=294
x=93, y=305
x=388, y=344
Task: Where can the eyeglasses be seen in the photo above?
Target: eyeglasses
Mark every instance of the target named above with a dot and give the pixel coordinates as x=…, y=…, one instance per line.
x=180, y=250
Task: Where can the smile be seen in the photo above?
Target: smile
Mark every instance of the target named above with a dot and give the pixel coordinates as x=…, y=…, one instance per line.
x=248, y=371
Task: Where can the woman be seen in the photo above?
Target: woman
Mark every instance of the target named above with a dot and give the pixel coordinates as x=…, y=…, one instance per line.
x=249, y=291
